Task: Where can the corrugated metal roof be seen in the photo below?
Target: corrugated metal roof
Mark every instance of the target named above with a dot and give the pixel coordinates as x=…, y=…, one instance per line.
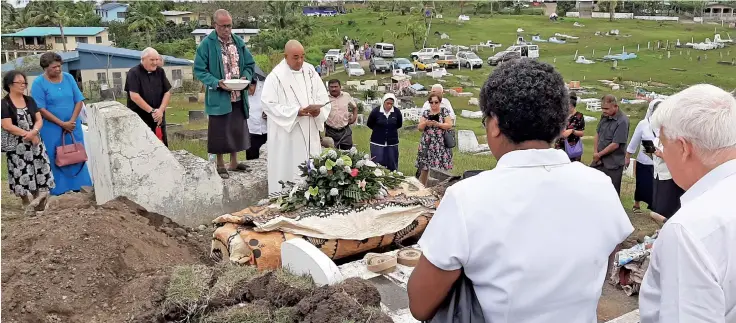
x=175, y=13
x=55, y=31
x=124, y=52
x=65, y=57
x=110, y=6
x=235, y=31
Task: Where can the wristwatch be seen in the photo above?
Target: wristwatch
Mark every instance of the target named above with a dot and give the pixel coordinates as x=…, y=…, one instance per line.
x=153, y=111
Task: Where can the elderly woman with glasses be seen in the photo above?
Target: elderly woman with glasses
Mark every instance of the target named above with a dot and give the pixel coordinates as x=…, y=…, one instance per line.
x=507, y=229
x=385, y=121
x=433, y=153
x=60, y=101
x=29, y=171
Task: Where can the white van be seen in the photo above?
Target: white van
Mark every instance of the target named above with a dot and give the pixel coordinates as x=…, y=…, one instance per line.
x=531, y=51
x=384, y=50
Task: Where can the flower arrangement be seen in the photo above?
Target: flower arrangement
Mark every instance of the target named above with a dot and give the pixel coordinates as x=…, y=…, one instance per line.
x=338, y=177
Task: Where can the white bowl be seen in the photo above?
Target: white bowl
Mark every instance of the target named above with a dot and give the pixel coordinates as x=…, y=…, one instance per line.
x=236, y=85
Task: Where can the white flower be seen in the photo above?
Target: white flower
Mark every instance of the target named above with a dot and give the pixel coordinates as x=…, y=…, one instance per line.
x=399, y=173
x=340, y=162
x=370, y=163
x=307, y=195
x=353, y=150
x=347, y=169
x=360, y=164
x=333, y=192
x=293, y=190
x=378, y=172
x=323, y=170
x=332, y=154
x=367, y=157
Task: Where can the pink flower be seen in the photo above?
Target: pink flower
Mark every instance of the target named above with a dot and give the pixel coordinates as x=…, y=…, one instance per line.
x=354, y=172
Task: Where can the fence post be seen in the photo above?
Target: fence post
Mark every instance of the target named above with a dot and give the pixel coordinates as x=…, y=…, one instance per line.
x=637, y=47
x=649, y=45
x=593, y=53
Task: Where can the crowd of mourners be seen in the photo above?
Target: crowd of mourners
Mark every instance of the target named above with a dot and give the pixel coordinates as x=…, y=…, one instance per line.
x=531, y=238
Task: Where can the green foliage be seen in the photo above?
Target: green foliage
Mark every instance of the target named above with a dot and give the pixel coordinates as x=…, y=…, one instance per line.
x=338, y=177
x=145, y=17
x=183, y=48
x=313, y=55
x=564, y=6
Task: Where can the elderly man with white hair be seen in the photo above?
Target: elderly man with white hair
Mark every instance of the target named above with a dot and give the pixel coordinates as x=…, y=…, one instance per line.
x=692, y=273
x=439, y=90
x=148, y=91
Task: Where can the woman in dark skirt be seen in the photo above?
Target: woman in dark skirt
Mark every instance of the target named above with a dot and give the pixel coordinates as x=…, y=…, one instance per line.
x=666, y=197
x=644, y=165
x=385, y=121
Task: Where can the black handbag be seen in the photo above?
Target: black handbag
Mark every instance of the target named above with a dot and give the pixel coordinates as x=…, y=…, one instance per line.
x=450, y=138
x=461, y=305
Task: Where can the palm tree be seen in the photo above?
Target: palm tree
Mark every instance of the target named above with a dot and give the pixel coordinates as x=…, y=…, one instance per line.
x=145, y=17
x=84, y=13
x=50, y=13
x=282, y=11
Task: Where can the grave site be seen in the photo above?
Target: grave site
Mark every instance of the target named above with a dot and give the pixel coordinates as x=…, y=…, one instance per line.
x=161, y=237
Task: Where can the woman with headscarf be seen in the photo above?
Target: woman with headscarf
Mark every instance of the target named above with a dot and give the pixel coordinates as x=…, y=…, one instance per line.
x=644, y=167
x=60, y=102
x=385, y=121
x=666, y=198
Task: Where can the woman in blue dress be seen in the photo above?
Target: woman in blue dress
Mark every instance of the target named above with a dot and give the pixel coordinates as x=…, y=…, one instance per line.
x=60, y=101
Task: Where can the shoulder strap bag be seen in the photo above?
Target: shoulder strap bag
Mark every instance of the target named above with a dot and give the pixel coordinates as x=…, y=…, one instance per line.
x=461, y=305
x=70, y=154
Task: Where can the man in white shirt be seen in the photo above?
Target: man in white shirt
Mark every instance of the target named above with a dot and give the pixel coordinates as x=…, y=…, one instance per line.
x=257, y=124
x=439, y=90
x=692, y=272
x=534, y=255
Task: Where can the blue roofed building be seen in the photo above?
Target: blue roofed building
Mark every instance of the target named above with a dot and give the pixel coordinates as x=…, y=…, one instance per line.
x=95, y=64
x=36, y=40
x=112, y=11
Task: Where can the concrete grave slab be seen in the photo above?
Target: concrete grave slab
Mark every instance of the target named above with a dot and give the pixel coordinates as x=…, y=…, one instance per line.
x=128, y=160
x=631, y=317
x=471, y=114
x=467, y=142
x=302, y=258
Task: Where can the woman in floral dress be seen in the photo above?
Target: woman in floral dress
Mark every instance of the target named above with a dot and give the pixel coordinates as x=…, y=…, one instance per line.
x=29, y=170
x=433, y=153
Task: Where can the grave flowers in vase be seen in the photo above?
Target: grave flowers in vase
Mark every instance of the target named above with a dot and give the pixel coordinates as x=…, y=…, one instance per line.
x=338, y=177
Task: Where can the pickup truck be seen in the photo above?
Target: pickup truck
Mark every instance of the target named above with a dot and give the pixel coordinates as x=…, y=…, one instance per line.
x=334, y=55
x=427, y=53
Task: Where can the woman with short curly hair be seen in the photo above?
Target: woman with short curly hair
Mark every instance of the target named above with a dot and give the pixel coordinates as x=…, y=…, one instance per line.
x=510, y=230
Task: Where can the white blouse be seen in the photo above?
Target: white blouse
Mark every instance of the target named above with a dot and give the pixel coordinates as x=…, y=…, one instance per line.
x=642, y=132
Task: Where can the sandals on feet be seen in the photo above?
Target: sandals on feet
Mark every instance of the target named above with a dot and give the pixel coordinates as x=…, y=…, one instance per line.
x=241, y=167
x=637, y=210
x=223, y=173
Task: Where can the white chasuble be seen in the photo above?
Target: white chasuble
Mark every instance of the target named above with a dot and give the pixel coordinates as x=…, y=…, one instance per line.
x=292, y=139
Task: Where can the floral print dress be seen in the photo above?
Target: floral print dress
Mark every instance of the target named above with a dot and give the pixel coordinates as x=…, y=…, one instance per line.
x=29, y=170
x=432, y=150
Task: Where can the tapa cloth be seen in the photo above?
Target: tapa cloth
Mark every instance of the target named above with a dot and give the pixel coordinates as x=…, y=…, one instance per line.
x=254, y=235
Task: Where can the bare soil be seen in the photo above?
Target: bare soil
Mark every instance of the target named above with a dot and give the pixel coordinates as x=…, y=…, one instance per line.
x=78, y=262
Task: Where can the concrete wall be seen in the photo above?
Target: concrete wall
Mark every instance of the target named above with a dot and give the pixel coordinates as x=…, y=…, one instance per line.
x=112, y=15
x=657, y=18
x=616, y=15
x=572, y=14
x=71, y=41
x=128, y=160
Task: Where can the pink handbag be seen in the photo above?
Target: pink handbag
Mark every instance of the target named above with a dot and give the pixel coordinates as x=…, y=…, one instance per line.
x=70, y=154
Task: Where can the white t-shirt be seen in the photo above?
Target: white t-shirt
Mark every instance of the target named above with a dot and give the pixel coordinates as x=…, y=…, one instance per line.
x=692, y=273
x=534, y=235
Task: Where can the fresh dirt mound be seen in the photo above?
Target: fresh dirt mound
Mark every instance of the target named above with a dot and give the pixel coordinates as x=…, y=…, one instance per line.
x=84, y=263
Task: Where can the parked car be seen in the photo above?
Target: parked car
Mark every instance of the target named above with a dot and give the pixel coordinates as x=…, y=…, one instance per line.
x=427, y=53
x=425, y=64
x=469, y=59
x=334, y=55
x=354, y=69
x=502, y=56
x=384, y=50
x=379, y=65
x=448, y=61
x=526, y=50
x=402, y=64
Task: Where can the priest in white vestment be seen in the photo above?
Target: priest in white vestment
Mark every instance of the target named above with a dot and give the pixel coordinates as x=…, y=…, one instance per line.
x=296, y=103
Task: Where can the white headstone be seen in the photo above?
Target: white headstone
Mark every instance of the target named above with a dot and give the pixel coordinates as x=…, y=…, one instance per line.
x=302, y=258
x=467, y=141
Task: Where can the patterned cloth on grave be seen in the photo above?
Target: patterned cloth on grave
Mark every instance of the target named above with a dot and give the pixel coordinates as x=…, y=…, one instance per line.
x=630, y=265
x=254, y=235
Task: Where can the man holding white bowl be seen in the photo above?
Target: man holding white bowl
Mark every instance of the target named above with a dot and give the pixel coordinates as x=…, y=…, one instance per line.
x=225, y=66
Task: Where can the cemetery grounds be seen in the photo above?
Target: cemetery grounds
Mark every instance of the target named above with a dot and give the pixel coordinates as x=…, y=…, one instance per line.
x=652, y=65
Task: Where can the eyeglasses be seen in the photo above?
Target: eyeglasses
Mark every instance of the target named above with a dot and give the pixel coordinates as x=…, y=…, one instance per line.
x=483, y=121
x=22, y=83
x=225, y=26
x=434, y=102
